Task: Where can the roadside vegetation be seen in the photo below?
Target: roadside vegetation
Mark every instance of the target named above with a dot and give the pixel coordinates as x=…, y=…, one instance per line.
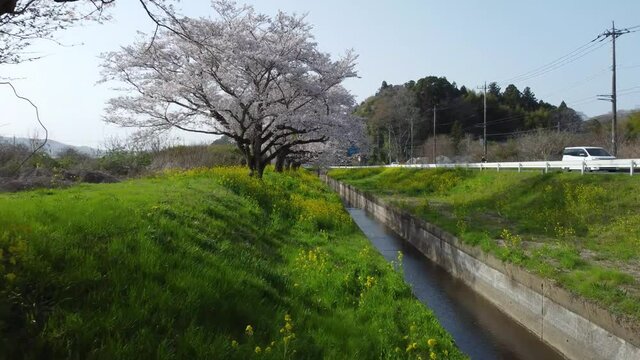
x=202, y=264
x=581, y=231
x=21, y=170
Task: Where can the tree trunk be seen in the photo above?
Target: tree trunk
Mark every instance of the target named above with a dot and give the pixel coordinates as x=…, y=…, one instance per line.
x=260, y=171
x=257, y=166
x=280, y=161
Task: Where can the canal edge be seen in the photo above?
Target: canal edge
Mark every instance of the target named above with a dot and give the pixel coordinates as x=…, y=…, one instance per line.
x=575, y=327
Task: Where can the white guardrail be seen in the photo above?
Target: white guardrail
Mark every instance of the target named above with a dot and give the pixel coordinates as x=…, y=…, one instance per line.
x=583, y=166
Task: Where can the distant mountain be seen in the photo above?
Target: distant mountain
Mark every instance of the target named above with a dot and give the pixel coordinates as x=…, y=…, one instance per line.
x=622, y=115
x=53, y=148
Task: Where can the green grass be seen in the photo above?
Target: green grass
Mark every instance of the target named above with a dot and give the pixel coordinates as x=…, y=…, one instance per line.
x=582, y=231
x=201, y=264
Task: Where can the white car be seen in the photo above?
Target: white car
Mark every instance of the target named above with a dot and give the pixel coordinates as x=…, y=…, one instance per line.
x=577, y=154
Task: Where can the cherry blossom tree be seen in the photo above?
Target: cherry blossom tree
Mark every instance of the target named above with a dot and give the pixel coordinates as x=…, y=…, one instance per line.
x=23, y=22
x=259, y=80
x=346, y=137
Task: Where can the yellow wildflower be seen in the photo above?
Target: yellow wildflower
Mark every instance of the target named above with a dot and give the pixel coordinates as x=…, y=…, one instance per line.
x=432, y=356
x=267, y=349
x=258, y=350
x=432, y=342
x=249, y=330
x=234, y=344
x=370, y=281
x=412, y=346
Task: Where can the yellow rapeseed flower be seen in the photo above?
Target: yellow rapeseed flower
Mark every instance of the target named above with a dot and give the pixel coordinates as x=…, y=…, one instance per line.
x=412, y=346
x=370, y=281
x=249, y=330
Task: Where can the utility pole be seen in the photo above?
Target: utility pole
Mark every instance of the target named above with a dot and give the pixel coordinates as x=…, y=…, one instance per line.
x=484, y=136
x=484, y=131
x=614, y=33
x=389, y=139
x=434, y=134
x=411, y=157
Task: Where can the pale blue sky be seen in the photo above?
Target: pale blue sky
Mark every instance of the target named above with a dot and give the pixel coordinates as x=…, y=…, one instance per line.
x=397, y=41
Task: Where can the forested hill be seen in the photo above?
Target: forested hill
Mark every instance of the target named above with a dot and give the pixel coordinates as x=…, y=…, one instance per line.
x=392, y=111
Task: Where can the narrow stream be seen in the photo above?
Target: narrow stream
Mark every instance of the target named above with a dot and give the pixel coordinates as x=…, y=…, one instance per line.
x=478, y=327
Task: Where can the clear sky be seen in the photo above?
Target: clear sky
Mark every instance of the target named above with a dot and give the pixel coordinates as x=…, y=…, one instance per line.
x=468, y=42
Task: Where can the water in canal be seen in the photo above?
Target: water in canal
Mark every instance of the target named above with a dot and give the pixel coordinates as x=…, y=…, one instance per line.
x=478, y=327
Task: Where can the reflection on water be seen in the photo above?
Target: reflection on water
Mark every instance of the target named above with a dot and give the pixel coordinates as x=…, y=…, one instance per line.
x=478, y=327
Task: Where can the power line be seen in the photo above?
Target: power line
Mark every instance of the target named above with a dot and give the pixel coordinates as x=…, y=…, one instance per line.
x=552, y=62
x=522, y=131
x=630, y=93
x=559, y=62
x=583, y=101
x=498, y=121
x=631, y=88
x=578, y=83
x=547, y=70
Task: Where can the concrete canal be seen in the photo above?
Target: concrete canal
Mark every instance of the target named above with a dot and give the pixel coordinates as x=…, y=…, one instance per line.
x=479, y=328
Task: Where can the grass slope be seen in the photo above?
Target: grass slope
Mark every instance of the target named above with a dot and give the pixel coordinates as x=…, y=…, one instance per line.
x=201, y=264
x=582, y=231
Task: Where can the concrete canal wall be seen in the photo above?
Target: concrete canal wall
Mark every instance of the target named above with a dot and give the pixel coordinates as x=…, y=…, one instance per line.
x=572, y=325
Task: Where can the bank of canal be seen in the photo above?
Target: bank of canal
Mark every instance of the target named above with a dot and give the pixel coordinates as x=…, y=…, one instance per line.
x=479, y=328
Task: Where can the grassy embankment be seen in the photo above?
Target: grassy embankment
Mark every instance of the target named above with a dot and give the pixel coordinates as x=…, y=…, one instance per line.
x=201, y=264
x=582, y=231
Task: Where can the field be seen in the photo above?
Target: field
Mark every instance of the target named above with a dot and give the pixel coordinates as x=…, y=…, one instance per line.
x=581, y=231
x=201, y=264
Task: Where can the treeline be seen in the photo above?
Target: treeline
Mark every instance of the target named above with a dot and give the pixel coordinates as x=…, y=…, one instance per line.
x=400, y=118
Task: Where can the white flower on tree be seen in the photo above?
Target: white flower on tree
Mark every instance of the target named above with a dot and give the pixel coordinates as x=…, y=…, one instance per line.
x=22, y=22
x=257, y=79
